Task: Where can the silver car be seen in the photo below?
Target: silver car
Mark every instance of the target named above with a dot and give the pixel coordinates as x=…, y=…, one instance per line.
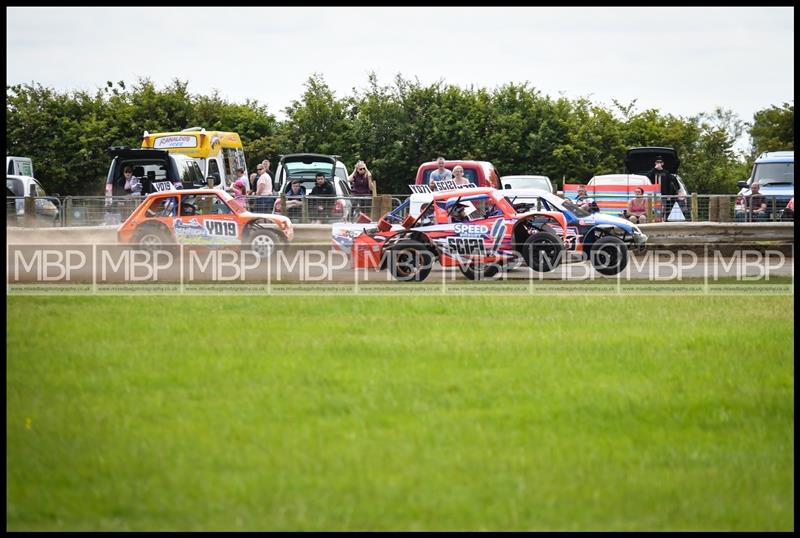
x=527, y=182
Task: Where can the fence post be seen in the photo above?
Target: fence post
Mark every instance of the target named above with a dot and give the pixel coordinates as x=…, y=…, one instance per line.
x=650, y=209
x=386, y=204
x=30, y=208
x=373, y=211
x=284, y=209
x=724, y=209
x=694, y=211
x=713, y=209
x=304, y=211
x=773, y=213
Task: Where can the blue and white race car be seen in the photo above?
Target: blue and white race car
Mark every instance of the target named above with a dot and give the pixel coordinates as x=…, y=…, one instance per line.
x=603, y=239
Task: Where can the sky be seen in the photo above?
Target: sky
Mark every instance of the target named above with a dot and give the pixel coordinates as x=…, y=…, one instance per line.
x=682, y=61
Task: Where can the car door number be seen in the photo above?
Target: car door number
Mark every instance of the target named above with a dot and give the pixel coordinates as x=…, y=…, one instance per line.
x=466, y=246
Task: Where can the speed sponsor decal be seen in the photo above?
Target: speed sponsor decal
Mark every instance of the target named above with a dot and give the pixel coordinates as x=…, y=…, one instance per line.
x=471, y=230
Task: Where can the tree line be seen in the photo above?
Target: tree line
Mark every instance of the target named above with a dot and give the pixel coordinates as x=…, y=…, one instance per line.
x=393, y=127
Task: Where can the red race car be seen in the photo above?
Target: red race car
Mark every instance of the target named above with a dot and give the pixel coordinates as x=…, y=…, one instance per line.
x=475, y=229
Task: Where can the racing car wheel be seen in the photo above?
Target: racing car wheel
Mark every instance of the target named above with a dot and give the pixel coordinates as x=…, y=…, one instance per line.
x=542, y=251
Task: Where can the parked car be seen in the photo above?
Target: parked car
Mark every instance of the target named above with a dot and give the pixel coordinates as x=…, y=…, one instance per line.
x=153, y=169
x=612, y=191
x=774, y=171
x=481, y=173
x=526, y=182
x=304, y=167
x=46, y=212
x=19, y=166
x=641, y=160
x=203, y=217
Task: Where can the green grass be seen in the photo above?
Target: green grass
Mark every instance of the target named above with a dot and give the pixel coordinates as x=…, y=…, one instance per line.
x=407, y=413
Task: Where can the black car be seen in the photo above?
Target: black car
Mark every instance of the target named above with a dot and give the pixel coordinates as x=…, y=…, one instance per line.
x=153, y=170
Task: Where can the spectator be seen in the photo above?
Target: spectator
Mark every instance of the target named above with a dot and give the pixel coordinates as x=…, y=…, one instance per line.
x=441, y=173
x=294, y=200
x=263, y=189
x=362, y=185
x=361, y=182
x=125, y=184
x=239, y=190
x=265, y=165
x=458, y=175
x=241, y=175
x=323, y=188
x=637, y=208
x=264, y=184
x=668, y=183
x=253, y=181
x=755, y=205
x=583, y=200
x=788, y=213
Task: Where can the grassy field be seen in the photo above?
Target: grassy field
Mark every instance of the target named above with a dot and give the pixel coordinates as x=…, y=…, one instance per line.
x=407, y=413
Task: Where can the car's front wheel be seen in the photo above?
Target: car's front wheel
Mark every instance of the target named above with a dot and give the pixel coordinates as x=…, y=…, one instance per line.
x=609, y=255
x=542, y=251
x=409, y=260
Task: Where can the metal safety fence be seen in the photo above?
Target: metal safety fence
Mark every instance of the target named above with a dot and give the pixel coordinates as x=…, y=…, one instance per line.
x=50, y=211
x=712, y=208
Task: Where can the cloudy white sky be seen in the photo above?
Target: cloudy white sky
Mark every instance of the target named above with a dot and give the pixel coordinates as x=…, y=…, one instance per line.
x=681, y=60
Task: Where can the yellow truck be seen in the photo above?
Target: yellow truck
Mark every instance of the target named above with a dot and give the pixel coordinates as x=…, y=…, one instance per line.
x=217, y=153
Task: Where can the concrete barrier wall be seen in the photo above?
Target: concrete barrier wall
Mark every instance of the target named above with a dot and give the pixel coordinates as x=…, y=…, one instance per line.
x=685, y=233
x=662, y=233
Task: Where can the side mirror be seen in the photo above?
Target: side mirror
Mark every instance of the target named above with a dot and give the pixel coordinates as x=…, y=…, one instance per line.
x=213, y=179
x=742, y=184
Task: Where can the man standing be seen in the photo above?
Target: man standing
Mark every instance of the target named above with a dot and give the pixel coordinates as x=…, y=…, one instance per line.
x=263, y=190
x=264, y=183
x=668, y=182
x=263, y=172
x=441, y=173
x=670, y=188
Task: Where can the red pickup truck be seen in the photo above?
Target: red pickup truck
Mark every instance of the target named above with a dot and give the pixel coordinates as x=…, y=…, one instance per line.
x=481, y=173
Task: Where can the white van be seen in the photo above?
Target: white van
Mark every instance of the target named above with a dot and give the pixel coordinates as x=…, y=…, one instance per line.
x=19, y=166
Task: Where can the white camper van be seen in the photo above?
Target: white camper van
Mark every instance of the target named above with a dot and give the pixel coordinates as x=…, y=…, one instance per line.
x=19, y=166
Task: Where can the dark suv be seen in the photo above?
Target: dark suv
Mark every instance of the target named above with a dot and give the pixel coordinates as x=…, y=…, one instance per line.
x=153, y=170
